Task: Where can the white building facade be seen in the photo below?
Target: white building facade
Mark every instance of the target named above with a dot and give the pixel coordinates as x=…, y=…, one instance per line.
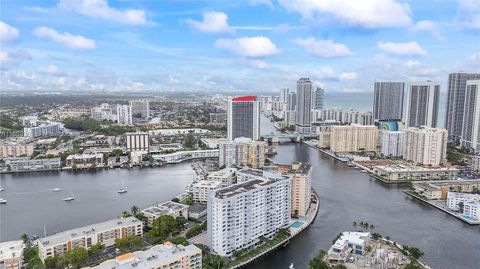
x=392, y=143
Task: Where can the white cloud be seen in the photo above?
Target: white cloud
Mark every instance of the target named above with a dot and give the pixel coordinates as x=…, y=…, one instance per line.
x=363, y=13
x=65, y=39
x=348, y=76
x=101, y=9
x=428, y=26
x=172, y=80
x=260, y=64
x=51, y=69
x=323, y=48
x=250, y=47
x=470, y=13
x=8, y=33
x=267, y=3
x=412, y=63
x=324, y=72
x=402, y=49
x=12, y=59
x=213, y=22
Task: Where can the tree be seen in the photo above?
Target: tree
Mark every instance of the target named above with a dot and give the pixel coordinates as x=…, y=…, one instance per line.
x=97, y=248
x=125, y=214
x=25, y=238
x=163, y=228
x=189, y=141
x=55, y=262
x=134, y=210
x=181, y=221
x=317, y=261
x=354, y=224
x=77, y=257
x=180, y=240
x=129, y=243
x=415, y=252
x=461, y=205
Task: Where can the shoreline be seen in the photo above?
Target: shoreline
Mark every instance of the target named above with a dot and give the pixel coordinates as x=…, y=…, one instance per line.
x=286, y=240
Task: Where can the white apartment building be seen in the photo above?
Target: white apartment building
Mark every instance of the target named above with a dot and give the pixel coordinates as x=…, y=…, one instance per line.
x=455, y=198
x=43, y=129
x=343, y=115
x=11, y=254
x=168, y=208
x=124, y=115
x=392, y=143
x=84, y=160
x=165, y=256
x=181, y=156
x=242, y=152
x=28, y=121
x=427, y=146
x=137, y=145
x=476, y=164
x=104, y=233
x=353, y=138
x=26, y=164
x=301, y=175
x=472, y=210
x=226, y=175
x=103, y=112
x=12, y=148
x=470, y=137
x=239, y=215
x=201, y=189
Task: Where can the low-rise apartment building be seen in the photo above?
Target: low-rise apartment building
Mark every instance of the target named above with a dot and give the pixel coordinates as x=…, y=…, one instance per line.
x=445, y=186
x=43, y=129
x=410, y=172
x=226, y=175
x=104, y=233
x=164, y=256
x=201, y=188
x=25, y=164
x=168, y=208
x=455, y=199
x=84, y=160
x=472, y=210
x=181, y=156
x=11, y=254
x=13, y=148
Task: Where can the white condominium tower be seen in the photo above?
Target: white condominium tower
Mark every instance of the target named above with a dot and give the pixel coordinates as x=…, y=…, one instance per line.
x=427, y=146
x=241, y=214
x=456, y=99
x=470, y=137
x=388, y=101
x=353, y=138
x=304, y=105
x=392, y=143
x=284, y=95
x=242, y=151
x=243, y=117
x=422, y=104
x=318, y=98
x=124, y=115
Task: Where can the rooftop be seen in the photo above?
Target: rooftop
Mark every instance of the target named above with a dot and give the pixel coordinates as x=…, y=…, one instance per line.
x=154, y=257
x=207, y=184
x=245, y=98
x=11, y=249
x=248, y=185
x=357, y=238
x=62, y=237
x=172, y=205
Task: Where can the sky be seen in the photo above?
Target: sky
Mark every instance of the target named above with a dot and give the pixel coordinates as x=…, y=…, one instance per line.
x=233, y=46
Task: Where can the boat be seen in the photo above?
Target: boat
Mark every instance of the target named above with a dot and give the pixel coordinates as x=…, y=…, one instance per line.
x=57, y=189
x=3, y=201
x=122, y=189
x=68, y=199
x=1, y=189
x=291, y=266
x=364, y=171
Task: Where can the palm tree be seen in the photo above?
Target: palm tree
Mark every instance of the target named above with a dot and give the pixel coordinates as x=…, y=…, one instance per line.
x=372, y=227
x=125, y=214
x=134, y=210
x=25, y=238
x=355, y=224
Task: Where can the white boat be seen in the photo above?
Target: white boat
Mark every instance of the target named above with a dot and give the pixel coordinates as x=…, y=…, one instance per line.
x=291, y=266
x=68, y=199
x=57, y=189
x=122, y=190
x=3, y=201
x=1, y=189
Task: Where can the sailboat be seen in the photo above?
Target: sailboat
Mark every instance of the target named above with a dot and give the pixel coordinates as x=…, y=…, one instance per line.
x=57, y=189
x=3, y=201
x=122, y=189
x=68, y=199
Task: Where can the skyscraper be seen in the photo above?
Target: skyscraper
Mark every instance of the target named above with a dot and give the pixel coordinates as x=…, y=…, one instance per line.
x=304, y=106
x=243, y=117
x=422, y=104
x=124, y=115
x=427, y=146
x=456, y=103
x=292, y=101
x=284, y=95
x=318, y=98
x=388, y=101
x=470, y=137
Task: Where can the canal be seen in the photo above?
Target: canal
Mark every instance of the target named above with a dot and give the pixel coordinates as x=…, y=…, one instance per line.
x=346, y=195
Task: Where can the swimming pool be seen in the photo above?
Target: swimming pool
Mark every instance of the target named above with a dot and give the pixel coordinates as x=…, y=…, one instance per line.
x=296, y=224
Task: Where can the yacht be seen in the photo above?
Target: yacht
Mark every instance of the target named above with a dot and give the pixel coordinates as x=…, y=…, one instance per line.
x=1, y=189
x=57, y=189
x=3, y=201
x=68, y=199
x=122, y=190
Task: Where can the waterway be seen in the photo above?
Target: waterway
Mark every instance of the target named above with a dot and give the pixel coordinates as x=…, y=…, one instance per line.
x=346, y=195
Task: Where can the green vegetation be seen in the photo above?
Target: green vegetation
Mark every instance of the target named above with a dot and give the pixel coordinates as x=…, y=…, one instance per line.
x=9, y=124
x=90, y=125
x=180, y=240
x=129, y=243
x=95, y=249
x=163, y=228
x=264, y=245
x=413, y=252
x=76, y=258
x=30, y=257
x=190, y=142
x=196, y=229
x=187, y=201
x=212, y=261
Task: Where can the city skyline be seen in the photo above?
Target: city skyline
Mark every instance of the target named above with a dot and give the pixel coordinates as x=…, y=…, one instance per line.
x=239, y=46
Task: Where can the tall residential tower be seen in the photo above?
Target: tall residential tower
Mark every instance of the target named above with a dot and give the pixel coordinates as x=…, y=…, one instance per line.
x=243, y=118
x=388, y=101
x=470, y=137
x=304, y=106
x=422, y=104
